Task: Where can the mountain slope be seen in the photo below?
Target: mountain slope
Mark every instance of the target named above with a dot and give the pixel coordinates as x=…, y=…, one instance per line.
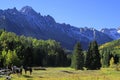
x=30, y=23
x=112, y=33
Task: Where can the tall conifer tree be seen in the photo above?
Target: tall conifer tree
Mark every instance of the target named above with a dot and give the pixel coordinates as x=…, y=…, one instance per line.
x=93, y=60
x=78, y=57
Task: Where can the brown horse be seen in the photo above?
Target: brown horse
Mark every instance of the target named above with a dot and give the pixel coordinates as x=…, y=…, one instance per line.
x=28, y=69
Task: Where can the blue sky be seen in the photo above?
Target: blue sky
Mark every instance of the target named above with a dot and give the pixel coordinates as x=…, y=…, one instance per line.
x=80, y=13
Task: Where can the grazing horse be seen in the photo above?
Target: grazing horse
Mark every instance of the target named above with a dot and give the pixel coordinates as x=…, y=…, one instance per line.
x=28, y=69
x=17, y=70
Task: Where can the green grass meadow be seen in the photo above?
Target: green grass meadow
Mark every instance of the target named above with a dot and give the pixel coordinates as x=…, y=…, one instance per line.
x=61, y=73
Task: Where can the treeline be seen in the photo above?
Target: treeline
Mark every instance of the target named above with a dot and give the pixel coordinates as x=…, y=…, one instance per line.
x=94, y=58
x=89, y=59
x=26, y=51
x=107, y=54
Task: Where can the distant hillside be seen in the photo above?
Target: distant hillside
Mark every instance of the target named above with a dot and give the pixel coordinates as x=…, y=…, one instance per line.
x=113, y=47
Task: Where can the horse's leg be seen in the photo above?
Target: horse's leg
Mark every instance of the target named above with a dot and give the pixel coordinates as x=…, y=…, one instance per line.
x=25, y=72
x=30, y=72
x=21, y=71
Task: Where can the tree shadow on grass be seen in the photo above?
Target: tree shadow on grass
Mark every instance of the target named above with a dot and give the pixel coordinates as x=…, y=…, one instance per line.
x=41, y=77
x=27, y=76
x=29, y=79
x=68, y=72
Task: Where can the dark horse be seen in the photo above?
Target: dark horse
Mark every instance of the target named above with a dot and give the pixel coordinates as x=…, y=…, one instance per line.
x=28, y=69
x=17, y=70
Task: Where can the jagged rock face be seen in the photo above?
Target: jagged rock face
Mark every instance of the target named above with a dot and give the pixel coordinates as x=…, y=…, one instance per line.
x=30, y=23
x=112, y=33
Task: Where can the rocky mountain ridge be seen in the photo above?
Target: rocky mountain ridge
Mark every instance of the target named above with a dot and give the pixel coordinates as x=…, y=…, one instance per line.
x=30, y=23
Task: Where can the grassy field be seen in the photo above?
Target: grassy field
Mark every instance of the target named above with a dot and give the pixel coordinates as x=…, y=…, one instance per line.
x=68, y=74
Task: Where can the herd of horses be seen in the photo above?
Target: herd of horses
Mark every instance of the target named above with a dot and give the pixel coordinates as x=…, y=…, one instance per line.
x=15, y=70
x=7, y=71
x=19, y=70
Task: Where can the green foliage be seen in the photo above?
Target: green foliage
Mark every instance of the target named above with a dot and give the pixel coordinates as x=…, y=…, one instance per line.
x=105, y=58
x=21, y=50
x=10, y=58
x=93, y=57
x=111, y=62
x=109, y=50
x=3, y=57
x=117, y=67
x=78, y=57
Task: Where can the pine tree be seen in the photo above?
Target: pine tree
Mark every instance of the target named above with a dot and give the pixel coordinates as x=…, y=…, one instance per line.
x=93, y=60
x=77, y=58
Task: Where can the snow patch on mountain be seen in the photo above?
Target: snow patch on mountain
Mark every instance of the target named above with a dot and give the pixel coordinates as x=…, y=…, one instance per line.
x=113, y=33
